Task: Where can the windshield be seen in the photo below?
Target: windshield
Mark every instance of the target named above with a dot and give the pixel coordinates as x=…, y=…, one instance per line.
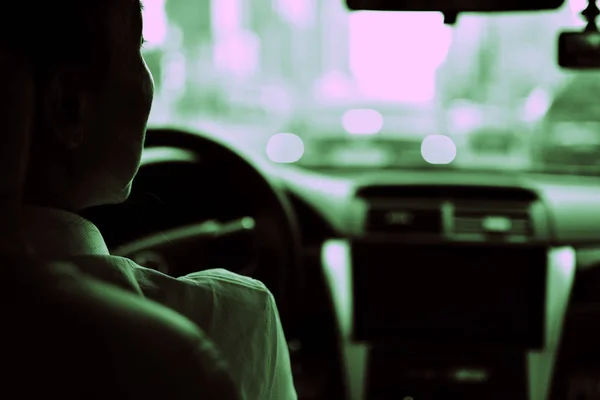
x=305, y=82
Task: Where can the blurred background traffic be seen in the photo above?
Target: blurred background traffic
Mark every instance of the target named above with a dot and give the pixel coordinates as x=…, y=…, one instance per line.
x=307, y=83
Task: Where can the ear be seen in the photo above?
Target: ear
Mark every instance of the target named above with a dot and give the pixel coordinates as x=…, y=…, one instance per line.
x=66, y=106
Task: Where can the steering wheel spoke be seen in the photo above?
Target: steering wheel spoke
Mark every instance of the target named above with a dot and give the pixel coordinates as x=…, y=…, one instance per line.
x=193, y=233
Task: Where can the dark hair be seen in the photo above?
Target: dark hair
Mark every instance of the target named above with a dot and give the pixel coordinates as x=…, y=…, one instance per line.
x=36, y=39
x=51, y=34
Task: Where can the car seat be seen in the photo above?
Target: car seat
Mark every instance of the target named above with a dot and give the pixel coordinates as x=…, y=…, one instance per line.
x=66, y=335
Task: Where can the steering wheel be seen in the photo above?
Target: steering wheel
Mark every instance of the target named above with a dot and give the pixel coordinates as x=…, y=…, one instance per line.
x=279, y=258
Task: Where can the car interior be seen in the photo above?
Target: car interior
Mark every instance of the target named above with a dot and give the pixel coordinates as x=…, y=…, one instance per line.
x=499, y=299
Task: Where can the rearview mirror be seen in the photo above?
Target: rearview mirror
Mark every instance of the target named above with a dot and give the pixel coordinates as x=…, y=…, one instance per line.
x=579, y=50
x=454, y=5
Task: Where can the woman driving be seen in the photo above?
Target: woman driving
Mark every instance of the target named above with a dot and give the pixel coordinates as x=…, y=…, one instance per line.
x=92, y=96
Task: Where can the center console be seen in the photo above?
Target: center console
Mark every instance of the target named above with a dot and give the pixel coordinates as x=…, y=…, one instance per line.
x=448, y=320
x=449, y=291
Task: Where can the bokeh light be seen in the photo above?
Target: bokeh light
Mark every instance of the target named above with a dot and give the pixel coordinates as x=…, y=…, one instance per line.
x=362, y=121
x=285, y=148
x=438, y=149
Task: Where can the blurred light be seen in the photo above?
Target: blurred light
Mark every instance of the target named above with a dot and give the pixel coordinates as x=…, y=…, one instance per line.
x=297, y=12
x=238, y=53
x=226, y=16
x=438, y=149
x=334, y=85
x=285, y=148
x=362, y=121
x=537, y=104
x=155, y=22
x=389, y=67
x=465, y=116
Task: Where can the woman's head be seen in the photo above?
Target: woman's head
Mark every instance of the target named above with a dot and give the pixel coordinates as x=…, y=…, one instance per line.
x=92, y=96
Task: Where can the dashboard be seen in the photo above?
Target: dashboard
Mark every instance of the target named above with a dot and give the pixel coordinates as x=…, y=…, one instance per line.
x=565, y=202
x=448, y=261
x=421, y=283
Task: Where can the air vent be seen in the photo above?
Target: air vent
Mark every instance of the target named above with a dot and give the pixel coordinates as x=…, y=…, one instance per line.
x=502, y=221
x=455, y=212
x=404, y=220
